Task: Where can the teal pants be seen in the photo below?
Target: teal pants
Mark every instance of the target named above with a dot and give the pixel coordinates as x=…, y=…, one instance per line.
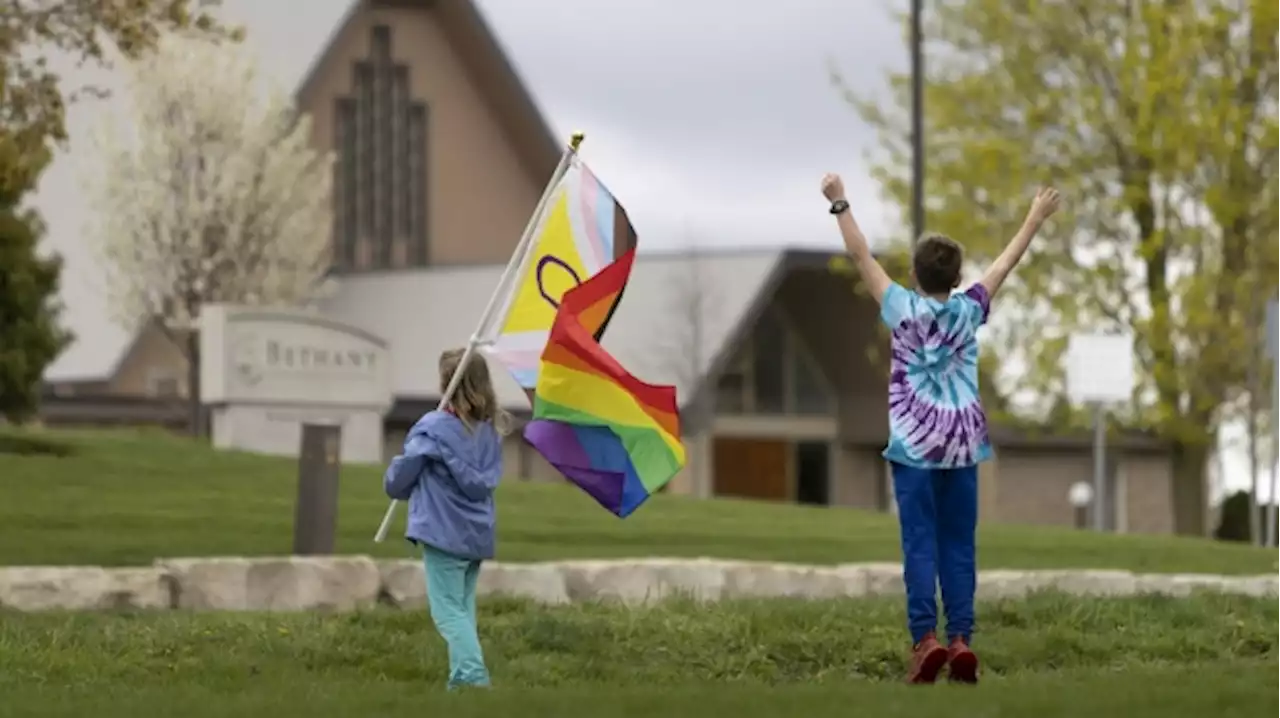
x=451, y=596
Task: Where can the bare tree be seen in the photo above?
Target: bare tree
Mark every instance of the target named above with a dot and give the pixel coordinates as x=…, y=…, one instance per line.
x=691, y=304
x=207, y=190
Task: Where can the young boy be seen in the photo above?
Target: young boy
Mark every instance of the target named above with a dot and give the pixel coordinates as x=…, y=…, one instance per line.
x=937, y=428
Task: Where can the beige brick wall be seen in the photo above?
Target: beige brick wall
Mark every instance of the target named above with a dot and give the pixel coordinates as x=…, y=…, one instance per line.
x=1032, y=485
x=1147, y=494
x=857, y=477
x=988, y=491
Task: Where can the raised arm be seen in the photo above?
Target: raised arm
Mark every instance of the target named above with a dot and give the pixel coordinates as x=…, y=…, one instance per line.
x=869, y=269
x=1044, y=205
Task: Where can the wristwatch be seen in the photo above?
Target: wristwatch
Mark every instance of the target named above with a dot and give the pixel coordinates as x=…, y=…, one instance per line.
x=839, y=206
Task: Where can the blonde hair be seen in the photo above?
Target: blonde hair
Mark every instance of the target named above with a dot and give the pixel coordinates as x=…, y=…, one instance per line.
x=473, y=400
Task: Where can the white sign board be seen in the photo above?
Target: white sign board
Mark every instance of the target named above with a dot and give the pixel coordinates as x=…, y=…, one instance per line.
x=265, y=372
x=1100, y=368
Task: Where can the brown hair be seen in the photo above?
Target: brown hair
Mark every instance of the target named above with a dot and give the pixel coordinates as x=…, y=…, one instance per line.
x=936, y=263
x=474, y=400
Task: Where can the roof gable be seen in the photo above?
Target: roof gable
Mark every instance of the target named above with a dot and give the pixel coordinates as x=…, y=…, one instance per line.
x=485, y=60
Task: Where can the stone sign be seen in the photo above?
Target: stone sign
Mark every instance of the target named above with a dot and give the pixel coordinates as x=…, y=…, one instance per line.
x=266, y=372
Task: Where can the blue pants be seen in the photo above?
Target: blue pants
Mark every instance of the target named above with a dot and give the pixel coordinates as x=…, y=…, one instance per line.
x=451, y=596
x=938, y=515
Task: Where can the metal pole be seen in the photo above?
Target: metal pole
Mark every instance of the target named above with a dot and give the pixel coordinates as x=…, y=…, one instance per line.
x=1271, y=505
x=1099, y=467
x=1274, y=504
x=1272, y=351
x=1255, y=474
x=917, y=122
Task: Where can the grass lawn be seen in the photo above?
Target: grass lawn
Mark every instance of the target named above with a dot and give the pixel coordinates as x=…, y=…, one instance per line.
x=1049, y=655
x=1221, y=691
x=128, y=497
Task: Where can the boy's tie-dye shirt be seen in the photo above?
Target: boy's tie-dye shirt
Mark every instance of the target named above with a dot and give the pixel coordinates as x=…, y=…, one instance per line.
x=935, y=414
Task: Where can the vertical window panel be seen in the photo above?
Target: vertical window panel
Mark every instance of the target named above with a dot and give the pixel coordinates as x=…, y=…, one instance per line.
x=380, y=173
x=418, y=130
x=769, y=380
x=810, y=394
x=364, y=89
x=337, y=199
x=385, y=140
x=346, y=216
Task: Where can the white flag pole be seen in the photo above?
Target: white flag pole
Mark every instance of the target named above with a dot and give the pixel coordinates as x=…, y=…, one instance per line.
x=499, y=299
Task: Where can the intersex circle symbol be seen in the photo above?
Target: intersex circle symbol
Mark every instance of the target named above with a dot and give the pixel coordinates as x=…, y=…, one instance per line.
x=545, y=262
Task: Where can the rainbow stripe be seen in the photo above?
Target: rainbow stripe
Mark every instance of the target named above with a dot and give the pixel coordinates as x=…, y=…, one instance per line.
x=613, y=435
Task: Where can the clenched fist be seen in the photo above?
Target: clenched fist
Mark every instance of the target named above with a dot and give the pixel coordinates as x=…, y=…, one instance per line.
x=832, y=187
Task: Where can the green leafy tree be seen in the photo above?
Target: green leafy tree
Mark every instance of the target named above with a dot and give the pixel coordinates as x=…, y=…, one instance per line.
x=1233, y=520
x=30, y=337
x=31, y=93
x=33, y=104
x=1157, y=119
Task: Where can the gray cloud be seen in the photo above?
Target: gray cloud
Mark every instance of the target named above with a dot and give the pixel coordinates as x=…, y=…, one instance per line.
x=729, y=106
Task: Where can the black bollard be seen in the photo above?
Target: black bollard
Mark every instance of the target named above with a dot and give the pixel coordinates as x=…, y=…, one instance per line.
x=1082, y=517
x=315, y=520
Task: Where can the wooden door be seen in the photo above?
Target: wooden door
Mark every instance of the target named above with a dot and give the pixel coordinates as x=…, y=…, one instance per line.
x=753, y=469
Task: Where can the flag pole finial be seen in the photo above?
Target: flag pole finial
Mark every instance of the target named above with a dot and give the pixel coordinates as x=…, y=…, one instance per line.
x=575, y=140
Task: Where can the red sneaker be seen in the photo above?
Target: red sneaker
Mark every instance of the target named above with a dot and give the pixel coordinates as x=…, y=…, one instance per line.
x=962, y=662
x=927, y=659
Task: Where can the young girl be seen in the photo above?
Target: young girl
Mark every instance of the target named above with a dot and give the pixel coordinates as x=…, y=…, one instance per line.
x=450, y=467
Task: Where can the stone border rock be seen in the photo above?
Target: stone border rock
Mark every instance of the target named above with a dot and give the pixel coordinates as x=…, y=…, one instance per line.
x=346, y=583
